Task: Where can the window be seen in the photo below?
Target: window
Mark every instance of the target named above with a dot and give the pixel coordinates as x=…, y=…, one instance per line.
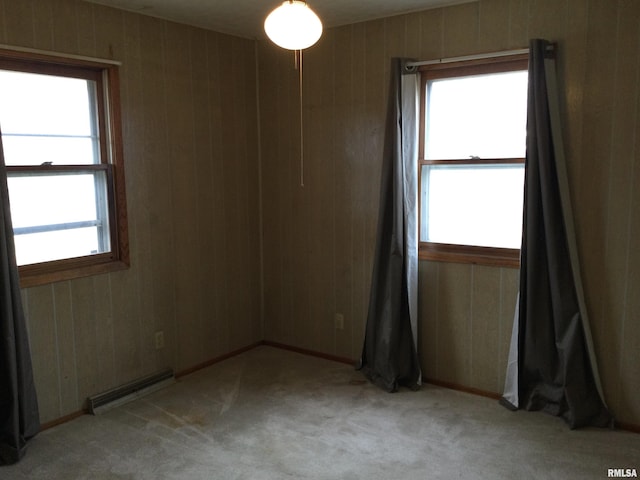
x=61, y=140
x=471, y=160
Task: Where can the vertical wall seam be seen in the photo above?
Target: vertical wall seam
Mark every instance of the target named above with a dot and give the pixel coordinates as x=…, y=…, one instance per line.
x=3, y=15
x=74, y=351
x=202, y=340
x=334, y=276
x=212, y=178
x=175, y=345
x=260, y=190
x=57, y=349
x=33, y=27
x=612, y=135
x=470, y=326
x=137, y=228
x=607, y=207
x=629, y=232
x=501, y=321
x=226, y=328
x=353, y=277
x=437, y=319
x=612, y=129
x=112, y=380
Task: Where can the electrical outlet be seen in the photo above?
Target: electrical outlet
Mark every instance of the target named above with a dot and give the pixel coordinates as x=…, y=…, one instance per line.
x=159, y=340
x=339, y=321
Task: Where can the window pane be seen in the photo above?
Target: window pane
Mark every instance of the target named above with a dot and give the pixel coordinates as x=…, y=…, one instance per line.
x=473, y=205
x=58, y=150
x=477, y=116
x=45, y=118
x=59, y=214
x=44, y=104
x=56, y=245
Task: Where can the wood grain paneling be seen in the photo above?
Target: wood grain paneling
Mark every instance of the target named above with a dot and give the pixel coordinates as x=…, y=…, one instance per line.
x=493, y=25
x=428, y=299
x=592, y=185
x=460, y=30
x=19, y=23
x=39, y=308
x=189, y=115
x=466, y=312
x=485, y=328
x=615, y=317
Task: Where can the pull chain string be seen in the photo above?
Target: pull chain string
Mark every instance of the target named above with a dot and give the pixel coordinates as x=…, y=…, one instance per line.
x=301, y=123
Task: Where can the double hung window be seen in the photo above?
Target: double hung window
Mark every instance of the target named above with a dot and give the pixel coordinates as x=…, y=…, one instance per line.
x=471, y=160
x=61, y=141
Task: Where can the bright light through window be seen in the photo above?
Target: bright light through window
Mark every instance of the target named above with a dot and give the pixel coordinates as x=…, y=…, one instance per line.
x=45, y=118
x=50, y=121
x=479, y=116
x=472, y=163
x=62, y=143
x=474, y=206
x=58, y=216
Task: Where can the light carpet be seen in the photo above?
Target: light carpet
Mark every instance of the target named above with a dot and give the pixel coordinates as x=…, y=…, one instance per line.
x=274, y=414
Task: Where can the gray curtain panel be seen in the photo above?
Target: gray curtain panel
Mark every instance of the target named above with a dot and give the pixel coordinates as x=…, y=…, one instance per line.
x=389, y=355
x=19, y=418
x=552, y=364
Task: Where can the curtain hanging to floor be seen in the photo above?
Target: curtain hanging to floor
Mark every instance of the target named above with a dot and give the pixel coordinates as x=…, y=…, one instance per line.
x=19, y=418
x=552, y=365
x=389, y=355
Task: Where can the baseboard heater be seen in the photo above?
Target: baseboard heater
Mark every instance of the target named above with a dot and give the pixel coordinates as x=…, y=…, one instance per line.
x=131, y=391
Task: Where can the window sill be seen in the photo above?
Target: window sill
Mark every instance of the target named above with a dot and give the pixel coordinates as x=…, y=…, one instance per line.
x=51, y=272
x=490, y=256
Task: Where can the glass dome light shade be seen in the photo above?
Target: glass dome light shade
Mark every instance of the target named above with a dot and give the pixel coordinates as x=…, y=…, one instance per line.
x=293, y=25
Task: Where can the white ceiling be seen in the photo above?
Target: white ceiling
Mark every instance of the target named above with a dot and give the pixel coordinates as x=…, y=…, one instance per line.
x=245, y=17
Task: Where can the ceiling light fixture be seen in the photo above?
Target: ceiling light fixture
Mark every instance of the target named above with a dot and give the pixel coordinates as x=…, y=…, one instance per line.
x=293, y=25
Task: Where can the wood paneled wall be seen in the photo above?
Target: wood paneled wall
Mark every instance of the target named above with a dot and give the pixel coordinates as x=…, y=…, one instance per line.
x=195, y=172
x=189, y=115
x=319, y=239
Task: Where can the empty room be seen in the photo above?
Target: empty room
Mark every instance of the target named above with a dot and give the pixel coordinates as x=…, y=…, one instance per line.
x=401, y=249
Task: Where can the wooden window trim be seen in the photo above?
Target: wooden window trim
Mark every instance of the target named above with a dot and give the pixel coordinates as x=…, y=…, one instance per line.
x=470, y=254
x=491, y=256
x=109, y=124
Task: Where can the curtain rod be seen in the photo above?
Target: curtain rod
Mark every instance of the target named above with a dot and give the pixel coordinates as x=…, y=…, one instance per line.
x=478, y=56
x=409, y=66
